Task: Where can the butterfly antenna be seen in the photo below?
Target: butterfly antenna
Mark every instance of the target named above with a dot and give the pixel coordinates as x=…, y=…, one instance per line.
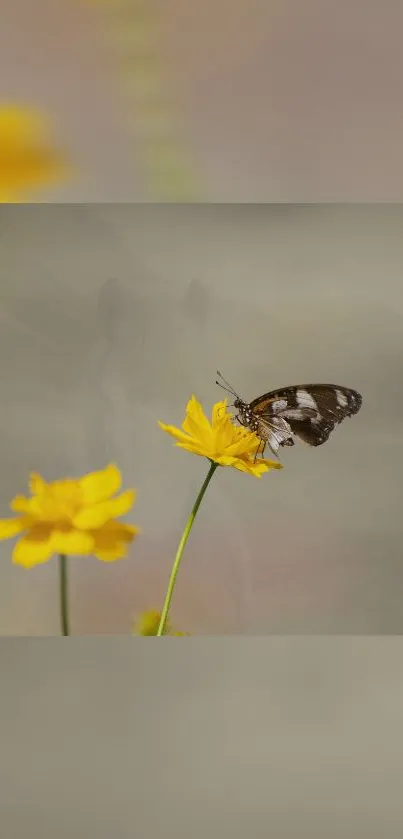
x=226, y=386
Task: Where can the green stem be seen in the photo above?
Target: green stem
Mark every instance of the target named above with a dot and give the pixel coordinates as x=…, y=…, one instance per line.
x=64, y=616
x=181, y=548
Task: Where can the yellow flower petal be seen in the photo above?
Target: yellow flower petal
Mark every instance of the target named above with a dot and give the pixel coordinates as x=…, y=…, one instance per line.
x=111, y=541
x=177, y=433
x=229, y=438
x=30, y=506
x=34, y=548
x=195, y=420
x=72, y=542
x=260, y=465
x=12, y=527
x=271, y=464
x=117, y=531
x=99, y=486
x=90, y=518
x=196, y=448
x=37, y=484
x=185, y=441
x=110, y=554
x=120, y=531
x=19, y=504
x=218, y=411
x=251, y=469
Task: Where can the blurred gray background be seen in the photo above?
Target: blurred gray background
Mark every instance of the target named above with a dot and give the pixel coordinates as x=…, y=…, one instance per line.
x=111, y=316
x=267, y=101
x=279, y=737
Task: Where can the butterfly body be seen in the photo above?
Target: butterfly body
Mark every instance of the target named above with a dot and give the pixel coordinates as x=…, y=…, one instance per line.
x=309, y=412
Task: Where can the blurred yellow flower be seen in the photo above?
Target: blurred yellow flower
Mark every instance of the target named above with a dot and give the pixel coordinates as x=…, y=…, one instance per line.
x=71, y=516
x=220, y=440
x=148, y=624
x=27, y=158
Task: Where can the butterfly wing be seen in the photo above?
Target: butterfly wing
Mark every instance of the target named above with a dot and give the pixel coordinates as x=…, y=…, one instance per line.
x=310, y=411
x=275, y=431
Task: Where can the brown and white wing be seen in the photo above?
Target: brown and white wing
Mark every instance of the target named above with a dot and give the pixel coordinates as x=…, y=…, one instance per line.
x=311, y=411
x=275, y=431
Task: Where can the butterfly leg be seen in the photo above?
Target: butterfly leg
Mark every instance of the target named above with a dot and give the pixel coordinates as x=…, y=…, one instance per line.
x=258, y=449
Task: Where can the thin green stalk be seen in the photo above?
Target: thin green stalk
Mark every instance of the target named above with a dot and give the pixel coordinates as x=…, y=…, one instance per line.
x=181, y=548
x=64, y=613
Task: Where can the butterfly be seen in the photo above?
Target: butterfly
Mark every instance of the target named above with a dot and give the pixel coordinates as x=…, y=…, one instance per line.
x=309, y=412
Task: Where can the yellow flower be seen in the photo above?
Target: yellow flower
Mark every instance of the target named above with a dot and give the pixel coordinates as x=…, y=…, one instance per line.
x=148, y=624
x=220, y=440
x=27, y=159
x=71, y=516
